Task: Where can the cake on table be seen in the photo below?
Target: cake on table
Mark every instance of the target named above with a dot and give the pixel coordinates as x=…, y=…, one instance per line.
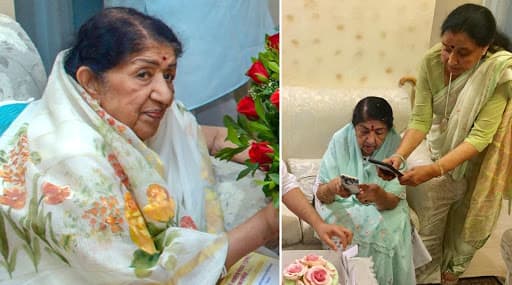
x=312, y=269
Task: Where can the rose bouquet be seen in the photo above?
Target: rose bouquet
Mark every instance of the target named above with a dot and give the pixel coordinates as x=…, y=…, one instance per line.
x=310, y=270
x=257, y=124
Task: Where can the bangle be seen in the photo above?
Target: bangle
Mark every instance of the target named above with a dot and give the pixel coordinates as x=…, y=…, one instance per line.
x=440, y=168
x=404, y=162
x=224, y=272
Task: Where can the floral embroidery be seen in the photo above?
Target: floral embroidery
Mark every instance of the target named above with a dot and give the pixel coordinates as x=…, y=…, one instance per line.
x=138, y=231
x=14, y=198
x=13, y=172
x=160, y=206
x=105, y=215
x=188, y=222
x=118, y=168
x=54, y=194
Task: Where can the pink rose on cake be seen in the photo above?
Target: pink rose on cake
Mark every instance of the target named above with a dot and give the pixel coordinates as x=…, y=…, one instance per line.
x=294, y=271
x=312, y=260
x=317, y=275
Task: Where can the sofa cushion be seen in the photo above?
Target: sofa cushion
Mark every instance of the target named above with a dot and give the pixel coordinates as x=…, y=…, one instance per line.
x=311, y=116
x=293, y=233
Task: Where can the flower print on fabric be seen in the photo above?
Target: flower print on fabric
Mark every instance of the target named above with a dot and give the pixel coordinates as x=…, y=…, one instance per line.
x=138, y=230
x=105, y=215
x=188, y=222
x=112, y=159
x=54, y=194
x=160, y=206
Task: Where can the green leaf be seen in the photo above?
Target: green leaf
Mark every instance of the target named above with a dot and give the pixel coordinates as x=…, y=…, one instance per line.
x=4, y=243
x=251, y=167
x=52, y=251
x=53, y=237
x=143, y=261
x=273, y=66
x=19, y=231
x=227, y=153
x=35, y=157
x=37, y=250
x=260, y=110
x=274, y=177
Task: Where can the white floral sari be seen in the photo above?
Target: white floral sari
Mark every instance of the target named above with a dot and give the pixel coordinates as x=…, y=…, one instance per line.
x=84, y=201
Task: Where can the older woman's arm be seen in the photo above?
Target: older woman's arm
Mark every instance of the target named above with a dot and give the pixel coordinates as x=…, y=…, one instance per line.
x=327, y=191
x=255, y=232
x=216, y=140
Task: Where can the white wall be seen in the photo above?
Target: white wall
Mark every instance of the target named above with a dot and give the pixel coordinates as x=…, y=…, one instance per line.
x=349, y=44
x=7, y=7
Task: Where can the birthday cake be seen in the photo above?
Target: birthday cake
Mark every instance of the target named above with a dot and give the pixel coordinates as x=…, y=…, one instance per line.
x=310, y=270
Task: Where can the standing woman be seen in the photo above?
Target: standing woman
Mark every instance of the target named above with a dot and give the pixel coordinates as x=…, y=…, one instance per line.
x=463, y=108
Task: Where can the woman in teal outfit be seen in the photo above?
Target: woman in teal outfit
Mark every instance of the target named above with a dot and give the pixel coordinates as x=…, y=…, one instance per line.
x=378, y=215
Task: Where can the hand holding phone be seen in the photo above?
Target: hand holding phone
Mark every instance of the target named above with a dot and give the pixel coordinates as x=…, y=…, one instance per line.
x=350, y=183
x=386, y=168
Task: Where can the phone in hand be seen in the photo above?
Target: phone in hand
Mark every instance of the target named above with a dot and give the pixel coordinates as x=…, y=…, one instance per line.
x=386, y=168
x=350, y=183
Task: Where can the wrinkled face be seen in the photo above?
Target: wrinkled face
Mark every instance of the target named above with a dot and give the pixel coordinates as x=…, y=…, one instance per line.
x=460, y=52
x=138, y=91
x=370, y=135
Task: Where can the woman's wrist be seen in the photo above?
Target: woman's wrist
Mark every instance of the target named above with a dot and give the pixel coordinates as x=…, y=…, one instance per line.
x=439, y=168
x=403, y=161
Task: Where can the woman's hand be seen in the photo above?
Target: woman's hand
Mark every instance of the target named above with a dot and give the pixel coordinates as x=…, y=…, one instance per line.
x=326, y=192
x=373, y=193
x=419, y=174
x=336, y=187
x=393, y=160
x=327, y=232
x=370, y=193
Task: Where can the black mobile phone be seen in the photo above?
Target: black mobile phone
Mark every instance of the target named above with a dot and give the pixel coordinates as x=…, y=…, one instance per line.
x=350, y=183
x=387, y=168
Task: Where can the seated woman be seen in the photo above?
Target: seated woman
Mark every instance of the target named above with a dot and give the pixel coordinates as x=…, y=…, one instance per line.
x=378, y=215
x=106, y=179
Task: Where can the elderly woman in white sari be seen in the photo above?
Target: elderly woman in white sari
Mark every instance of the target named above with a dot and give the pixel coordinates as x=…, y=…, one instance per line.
x=107, y=179
x=463, y=104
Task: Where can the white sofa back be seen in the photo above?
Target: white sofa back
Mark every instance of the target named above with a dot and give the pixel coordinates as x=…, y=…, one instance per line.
x=311, y=116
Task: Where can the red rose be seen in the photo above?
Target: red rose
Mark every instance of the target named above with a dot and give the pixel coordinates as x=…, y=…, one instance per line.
x=273, y=41
x=246, y=107
x=274, y=98
x=258, y=72
x=260, y=152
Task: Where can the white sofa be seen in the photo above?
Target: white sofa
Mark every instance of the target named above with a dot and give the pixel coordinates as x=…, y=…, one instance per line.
x=309, y=119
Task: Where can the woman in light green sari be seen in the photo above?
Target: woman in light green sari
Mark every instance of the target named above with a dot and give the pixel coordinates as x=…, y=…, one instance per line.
x=378, y=215
x=463, y=108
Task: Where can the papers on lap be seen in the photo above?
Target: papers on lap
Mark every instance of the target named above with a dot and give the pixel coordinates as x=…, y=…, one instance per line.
x=254, y=268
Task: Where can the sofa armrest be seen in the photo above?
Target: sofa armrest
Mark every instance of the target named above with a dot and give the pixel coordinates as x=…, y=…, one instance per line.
x=291, y=225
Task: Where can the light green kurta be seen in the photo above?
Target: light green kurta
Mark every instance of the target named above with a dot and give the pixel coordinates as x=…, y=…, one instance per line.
x=431, y=81
x=383, y=235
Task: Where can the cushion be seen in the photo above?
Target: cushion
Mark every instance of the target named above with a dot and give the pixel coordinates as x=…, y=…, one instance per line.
x=311, y=116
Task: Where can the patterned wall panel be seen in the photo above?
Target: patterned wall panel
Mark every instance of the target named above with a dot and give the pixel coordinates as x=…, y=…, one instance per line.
x=348, y=43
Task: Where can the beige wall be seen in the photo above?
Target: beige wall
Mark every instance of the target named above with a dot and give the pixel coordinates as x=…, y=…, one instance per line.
x=443, y=8
x=345, y=43
x=7, y=7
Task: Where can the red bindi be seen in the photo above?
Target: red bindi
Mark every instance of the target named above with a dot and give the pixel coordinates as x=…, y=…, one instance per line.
x=164, y=58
